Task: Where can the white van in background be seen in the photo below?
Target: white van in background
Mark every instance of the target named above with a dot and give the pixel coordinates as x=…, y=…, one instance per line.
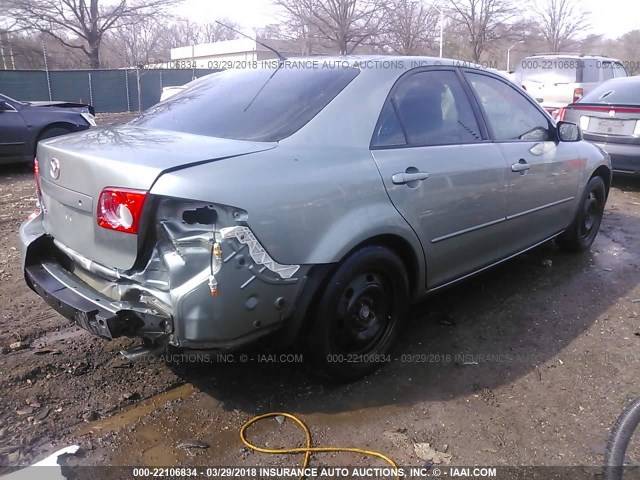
x=563, y=78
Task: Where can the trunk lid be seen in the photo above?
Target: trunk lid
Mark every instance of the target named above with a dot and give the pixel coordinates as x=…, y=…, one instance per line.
x=606, y=123
x=75, y=168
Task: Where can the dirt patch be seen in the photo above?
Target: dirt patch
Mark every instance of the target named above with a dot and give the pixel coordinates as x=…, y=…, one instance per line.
x=528, y=364
x=114, y=118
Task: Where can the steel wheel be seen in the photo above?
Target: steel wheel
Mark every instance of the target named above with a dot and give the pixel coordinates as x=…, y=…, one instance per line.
x=358, y=314
x=364, y=313
x=590, y=214
x=584, y=228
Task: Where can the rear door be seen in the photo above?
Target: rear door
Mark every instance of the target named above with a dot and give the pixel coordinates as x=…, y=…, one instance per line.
x=13, y=133
x=441, y=172
x=544, y=173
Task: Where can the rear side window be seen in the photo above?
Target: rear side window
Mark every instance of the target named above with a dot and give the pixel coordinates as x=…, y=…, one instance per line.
x=607, y=70
x=621, y=92
x=590, y=72
x=261, y=105
x=618, y=70
x=427, y=108
x=511, y=116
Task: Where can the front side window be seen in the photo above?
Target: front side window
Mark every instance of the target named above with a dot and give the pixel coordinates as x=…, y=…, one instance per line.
x=261, y=105
x=511, y=116
x=427, y=108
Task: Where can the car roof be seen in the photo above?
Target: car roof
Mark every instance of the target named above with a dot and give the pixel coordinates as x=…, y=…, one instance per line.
x=572, y=55
x=397, y=63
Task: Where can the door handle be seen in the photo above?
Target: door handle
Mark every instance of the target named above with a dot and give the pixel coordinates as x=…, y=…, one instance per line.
x=404, y=177
x=522, y=166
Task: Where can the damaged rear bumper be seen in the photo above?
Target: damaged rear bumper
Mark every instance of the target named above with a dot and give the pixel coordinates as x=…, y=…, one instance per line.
x=168, y=296
x=78, y=303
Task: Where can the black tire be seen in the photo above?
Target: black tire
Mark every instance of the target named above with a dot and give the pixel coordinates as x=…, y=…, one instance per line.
x=359, y=313
x=619, y=439
x=584, y=228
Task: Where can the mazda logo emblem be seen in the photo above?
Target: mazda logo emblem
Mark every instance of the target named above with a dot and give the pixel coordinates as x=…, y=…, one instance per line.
x=54, y=168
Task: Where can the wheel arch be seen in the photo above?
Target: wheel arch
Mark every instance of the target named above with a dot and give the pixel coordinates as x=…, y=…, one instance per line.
x=404, y=250
x=320, y=274
x=603, y=172
x=49, y=126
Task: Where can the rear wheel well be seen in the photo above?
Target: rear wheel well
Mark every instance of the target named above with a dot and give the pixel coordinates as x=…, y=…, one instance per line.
x=603, y=172
x=400, y=247
x=322, y=273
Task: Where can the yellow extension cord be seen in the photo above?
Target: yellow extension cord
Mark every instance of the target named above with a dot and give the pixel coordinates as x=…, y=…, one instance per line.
x=308, y=449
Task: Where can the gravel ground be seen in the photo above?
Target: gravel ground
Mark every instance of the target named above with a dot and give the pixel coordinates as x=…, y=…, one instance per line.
x=528, y=364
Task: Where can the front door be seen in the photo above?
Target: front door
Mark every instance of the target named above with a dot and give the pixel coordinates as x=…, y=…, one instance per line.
x=544, y=173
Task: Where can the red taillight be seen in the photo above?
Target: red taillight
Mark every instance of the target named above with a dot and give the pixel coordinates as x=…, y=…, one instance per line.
x=36, y=175
x=120, y=209
x=577, y=94
x=560, y=115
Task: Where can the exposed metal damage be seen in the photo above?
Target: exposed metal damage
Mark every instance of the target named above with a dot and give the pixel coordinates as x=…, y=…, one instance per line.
x=200, y=252
x=259, y=255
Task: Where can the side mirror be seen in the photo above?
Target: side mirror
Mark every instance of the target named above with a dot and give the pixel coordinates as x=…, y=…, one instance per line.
x=569, y=132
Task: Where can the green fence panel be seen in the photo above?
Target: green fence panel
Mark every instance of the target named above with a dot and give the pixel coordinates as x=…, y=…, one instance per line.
x=70, y=86
x=107, y=90
x=24, y=84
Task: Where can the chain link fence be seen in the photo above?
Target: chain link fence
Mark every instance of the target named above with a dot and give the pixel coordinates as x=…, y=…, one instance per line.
x=109, y=91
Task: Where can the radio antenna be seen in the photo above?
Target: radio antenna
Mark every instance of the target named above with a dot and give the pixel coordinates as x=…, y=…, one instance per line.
x=281, y=57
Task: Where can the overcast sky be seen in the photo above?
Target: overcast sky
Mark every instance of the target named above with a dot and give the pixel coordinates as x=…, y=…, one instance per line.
x=611, y=18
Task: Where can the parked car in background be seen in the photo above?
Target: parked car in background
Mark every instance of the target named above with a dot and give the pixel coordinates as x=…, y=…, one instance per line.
x=560, y=78
x=168, y=92
x=511, y=76
x=312, y=204
x=24, y=124
x=609, y=116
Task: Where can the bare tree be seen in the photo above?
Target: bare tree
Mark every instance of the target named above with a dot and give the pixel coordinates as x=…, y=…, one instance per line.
x=410, y=27
x=82, y=24
x=481, y=20
x=627, y=49
x=137, y=44
x=298, y=23
x=182, y=33
x=345, y=24
x=561, y=22
x=272, y=31
x=214, y=32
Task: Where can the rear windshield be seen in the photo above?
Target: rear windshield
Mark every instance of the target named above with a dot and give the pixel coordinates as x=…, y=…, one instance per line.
x=261, y=105
x=615, y=92
x=548, y=70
